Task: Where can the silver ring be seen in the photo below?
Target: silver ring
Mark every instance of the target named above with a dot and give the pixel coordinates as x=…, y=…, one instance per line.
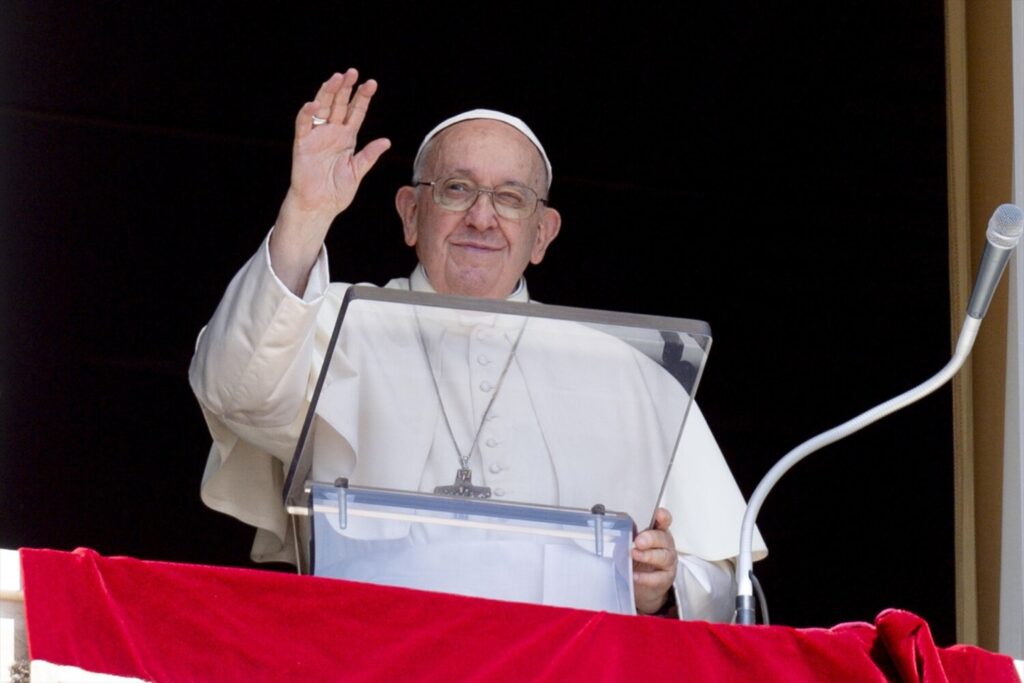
x=317, y=121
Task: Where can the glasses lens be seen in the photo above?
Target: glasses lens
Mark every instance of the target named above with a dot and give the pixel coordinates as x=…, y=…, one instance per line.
x=510, y=201
x=455, y=193
x=516, y=199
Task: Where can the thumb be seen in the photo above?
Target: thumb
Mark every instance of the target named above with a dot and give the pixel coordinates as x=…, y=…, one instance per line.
x=662, y=519
x=368, y=156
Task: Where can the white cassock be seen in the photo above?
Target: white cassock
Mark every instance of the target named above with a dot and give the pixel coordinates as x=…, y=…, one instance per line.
x=258, y=360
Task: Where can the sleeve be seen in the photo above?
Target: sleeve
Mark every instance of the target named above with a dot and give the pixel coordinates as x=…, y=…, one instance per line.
x=251, y=373
x=705, y=501
x=705, y=590
x=708, y=508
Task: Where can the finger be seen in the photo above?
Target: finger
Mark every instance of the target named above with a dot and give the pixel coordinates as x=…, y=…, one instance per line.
x=304, y=119
x=655, y=539
x=657, y=559
x=368, y=156
x=326, y=94
x=662, y=518
x=339, y=108
x=651, y=584
x=360, y=103
x=658, y=580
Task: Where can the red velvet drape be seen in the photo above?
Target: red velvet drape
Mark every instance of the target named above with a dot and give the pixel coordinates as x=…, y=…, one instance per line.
x=162, y=621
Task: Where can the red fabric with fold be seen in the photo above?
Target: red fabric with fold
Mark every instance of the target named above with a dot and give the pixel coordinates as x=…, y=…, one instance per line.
x=161, y=621
x=909, y=643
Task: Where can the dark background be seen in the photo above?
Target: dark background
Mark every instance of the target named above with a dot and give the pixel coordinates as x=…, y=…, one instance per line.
x=776, y=169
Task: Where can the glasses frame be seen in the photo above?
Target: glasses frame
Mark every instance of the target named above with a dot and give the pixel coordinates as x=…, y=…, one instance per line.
x=436, y=185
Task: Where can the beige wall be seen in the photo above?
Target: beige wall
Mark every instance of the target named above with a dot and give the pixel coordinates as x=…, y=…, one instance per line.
x=980, y=158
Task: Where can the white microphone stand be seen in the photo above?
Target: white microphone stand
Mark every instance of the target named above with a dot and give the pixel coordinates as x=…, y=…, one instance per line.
x=1004, y=232
x=745, y=592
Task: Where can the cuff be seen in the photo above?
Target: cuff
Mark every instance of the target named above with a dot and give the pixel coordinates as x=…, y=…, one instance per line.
x=316, y=283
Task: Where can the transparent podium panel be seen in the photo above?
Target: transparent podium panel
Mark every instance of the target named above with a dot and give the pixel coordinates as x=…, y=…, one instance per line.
x=504, y=551
x=496, y=402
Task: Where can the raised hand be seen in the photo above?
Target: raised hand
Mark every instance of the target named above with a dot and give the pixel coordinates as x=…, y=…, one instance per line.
x=326, y=169
x=326, y=172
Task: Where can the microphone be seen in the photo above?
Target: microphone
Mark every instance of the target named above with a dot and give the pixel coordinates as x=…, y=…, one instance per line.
x=1003, y=234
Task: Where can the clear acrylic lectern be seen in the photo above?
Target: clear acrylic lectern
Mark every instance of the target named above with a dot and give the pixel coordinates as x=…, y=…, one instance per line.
x=491, y=448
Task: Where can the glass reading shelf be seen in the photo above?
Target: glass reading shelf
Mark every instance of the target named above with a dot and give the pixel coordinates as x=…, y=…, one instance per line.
x=453, y=438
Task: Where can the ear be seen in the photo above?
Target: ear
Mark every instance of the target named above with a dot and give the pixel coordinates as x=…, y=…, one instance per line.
x=547, y=230
x=406, y=201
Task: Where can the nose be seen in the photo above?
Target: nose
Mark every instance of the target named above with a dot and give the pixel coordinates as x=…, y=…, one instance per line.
x=482, y=214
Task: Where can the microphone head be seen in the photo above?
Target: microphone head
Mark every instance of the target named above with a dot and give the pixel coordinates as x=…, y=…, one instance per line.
x=1004, y=228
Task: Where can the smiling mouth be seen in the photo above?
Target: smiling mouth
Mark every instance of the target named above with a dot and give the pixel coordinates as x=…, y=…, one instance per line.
x=474, y=246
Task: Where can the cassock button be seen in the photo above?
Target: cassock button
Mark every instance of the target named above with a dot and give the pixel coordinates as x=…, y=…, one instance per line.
x=499, y=492
x=486, y=386
x=483, y=360
x=491, y=443
x=495, y=468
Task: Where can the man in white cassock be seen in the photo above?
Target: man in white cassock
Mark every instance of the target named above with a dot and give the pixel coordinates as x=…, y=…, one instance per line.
x=477, y=215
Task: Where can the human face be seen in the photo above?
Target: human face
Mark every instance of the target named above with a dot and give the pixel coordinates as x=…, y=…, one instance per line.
x=476, y=252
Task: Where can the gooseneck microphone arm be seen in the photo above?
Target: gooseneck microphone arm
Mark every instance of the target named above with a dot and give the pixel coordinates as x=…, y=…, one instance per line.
x=1004, y=232
x=744, y=597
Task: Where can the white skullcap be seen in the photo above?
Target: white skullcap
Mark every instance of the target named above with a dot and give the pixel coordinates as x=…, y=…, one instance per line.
x=513, y=121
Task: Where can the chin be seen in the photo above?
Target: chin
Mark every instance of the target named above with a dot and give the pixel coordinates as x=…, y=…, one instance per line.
x=478, y=285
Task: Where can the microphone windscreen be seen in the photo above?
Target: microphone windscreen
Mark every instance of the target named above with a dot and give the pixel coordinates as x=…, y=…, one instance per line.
x=1004, y=228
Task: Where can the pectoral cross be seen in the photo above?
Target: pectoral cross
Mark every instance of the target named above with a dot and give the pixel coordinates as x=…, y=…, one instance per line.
x=463, y=486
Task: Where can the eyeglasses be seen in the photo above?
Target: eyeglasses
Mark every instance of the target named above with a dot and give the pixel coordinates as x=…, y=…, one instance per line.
x=514, y=202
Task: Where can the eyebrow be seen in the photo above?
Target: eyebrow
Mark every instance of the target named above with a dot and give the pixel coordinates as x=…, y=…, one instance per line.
x=466, y=172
